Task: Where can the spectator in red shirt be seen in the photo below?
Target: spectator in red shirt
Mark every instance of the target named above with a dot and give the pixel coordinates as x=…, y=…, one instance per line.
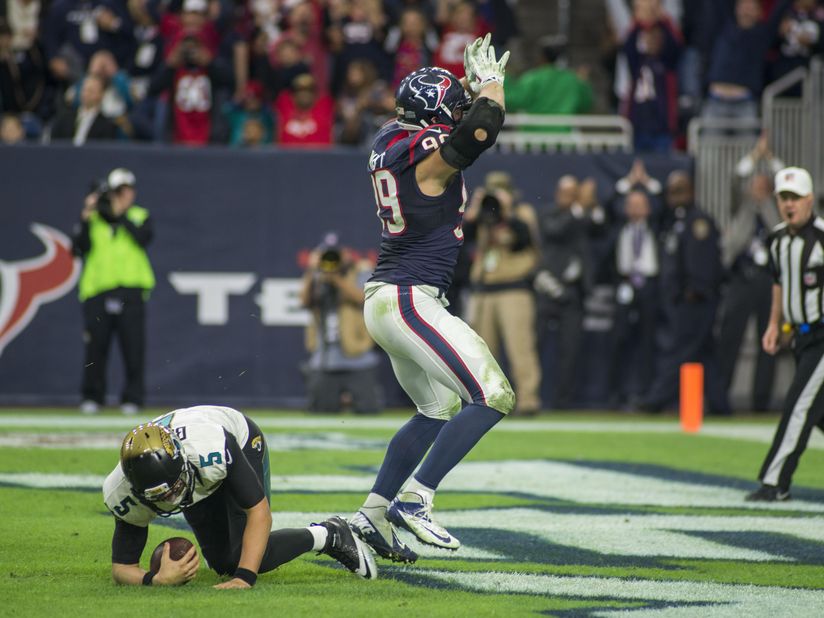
x=304, y=117
x=462, y=28
x=411, y=43
x=193, y=20
x=305, y=28
x=191, y=74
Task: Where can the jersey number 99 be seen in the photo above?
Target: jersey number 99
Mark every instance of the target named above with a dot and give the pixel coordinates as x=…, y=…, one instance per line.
x=386, y=196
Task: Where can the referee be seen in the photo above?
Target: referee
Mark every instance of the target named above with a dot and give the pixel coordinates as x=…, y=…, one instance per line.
x=797, y=262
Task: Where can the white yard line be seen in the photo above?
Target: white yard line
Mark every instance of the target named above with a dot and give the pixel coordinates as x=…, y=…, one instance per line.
x=746, y=431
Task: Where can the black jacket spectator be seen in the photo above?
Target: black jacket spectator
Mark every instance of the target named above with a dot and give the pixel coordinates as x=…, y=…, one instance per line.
x=801, y=35
x=66, y=125
x=739, y=53
x=652, y=52
x=75, y=29
x=87, y=123
x=22, y=75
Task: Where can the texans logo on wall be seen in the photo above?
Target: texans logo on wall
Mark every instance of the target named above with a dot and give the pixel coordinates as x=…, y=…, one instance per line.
x=25, y=285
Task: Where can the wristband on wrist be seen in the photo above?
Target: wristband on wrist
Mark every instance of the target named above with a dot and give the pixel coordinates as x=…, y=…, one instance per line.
x=250, y=577
x=148, y=577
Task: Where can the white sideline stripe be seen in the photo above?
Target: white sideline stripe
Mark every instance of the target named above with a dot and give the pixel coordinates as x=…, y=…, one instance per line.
x=729, y=599
x=798, y=418
x=278, y=442
x=544, y=479
x=751, y=432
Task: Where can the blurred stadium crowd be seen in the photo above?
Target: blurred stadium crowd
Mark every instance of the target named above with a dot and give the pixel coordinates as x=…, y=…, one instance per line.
x=317, y=73
x=321, y=72
x=678, y=289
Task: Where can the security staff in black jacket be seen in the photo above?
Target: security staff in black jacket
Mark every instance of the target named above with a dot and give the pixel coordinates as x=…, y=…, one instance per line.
x=690, y=279
x=796, y=251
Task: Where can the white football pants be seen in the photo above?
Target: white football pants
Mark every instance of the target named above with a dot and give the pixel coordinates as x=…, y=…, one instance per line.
x=437, y=358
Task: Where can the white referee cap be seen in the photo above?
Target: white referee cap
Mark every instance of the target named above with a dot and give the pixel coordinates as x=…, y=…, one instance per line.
x=120, y=177
x=794, y=180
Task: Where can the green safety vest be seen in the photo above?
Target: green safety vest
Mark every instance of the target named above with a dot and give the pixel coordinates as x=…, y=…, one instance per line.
x=115, y=259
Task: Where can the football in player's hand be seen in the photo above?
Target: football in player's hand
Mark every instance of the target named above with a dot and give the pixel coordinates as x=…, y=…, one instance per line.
x=178, y=546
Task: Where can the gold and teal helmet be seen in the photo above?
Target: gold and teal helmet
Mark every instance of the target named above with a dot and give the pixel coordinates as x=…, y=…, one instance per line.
x=155, y=466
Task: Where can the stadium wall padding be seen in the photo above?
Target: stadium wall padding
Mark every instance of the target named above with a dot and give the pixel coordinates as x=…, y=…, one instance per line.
x=221, y=211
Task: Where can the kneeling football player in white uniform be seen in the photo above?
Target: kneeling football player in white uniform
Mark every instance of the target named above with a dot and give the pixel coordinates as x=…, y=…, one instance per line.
x=212, y=464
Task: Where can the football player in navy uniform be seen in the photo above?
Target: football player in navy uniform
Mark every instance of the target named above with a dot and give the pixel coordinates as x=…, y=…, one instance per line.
x=211, y=463
x=416, y=169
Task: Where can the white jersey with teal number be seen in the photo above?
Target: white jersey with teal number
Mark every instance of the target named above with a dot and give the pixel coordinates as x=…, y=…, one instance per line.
x=200, y=431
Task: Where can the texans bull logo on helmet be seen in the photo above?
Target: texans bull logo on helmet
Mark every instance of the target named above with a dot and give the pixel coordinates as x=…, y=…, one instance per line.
x=430, y=95
x=430, y=89
x=25, y=285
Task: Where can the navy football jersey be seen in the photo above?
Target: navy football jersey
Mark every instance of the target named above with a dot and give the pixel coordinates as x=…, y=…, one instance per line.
x=421, y=235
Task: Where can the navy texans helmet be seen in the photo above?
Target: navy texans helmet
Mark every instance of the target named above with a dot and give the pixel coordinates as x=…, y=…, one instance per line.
x=430, y=96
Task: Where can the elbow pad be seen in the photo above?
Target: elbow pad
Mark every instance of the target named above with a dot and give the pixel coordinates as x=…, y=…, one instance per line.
x=464, y=144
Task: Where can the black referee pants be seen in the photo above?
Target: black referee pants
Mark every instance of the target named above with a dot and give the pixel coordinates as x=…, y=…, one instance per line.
x=218, y=521
x=803, y=410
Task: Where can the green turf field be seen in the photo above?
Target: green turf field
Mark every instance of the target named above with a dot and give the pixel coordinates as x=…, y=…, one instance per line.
x=566, y=515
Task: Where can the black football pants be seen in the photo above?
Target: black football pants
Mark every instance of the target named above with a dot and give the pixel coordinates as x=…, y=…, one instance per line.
x=120, y=312
x=218, y=521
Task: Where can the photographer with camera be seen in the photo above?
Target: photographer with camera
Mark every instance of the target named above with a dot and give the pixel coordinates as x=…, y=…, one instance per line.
x=502, y=303
x=116, y=281
x=343, y=363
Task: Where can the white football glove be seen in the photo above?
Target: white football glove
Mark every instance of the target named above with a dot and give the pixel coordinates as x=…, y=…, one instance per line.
x=480, y=63
x=469, y=50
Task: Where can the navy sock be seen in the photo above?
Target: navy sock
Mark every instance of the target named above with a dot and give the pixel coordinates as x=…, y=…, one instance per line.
x=455, y=440
x=405, y=451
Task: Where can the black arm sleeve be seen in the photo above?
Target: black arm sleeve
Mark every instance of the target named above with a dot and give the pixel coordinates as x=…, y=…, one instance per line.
x=523, y=238
x=241, y=479
x=463, y=146
x=162, y=80
x=81, y=243
x=128, y=542
x=143, y=234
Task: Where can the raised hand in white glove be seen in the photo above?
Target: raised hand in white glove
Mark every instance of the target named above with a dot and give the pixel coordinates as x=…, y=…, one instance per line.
x=469, y=51
x=480, y=63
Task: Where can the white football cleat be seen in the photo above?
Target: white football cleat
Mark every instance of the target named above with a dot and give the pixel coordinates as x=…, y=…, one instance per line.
x=413, y=512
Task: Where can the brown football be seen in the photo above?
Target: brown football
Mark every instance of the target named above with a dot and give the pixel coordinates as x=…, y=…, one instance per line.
x=178, y=548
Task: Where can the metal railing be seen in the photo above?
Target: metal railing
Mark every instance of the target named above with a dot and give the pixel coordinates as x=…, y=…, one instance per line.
x=814, y=129
x=795, y=127
x=783, y=118
x=553, y=133
x=717, y=145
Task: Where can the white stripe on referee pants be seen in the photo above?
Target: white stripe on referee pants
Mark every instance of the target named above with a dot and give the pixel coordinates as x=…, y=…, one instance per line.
x=798, y=418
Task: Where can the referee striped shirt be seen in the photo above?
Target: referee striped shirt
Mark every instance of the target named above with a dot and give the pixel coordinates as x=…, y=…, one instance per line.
x=797, y=263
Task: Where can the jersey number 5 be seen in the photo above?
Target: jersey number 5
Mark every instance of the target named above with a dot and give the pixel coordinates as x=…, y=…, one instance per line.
x=386, y=196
